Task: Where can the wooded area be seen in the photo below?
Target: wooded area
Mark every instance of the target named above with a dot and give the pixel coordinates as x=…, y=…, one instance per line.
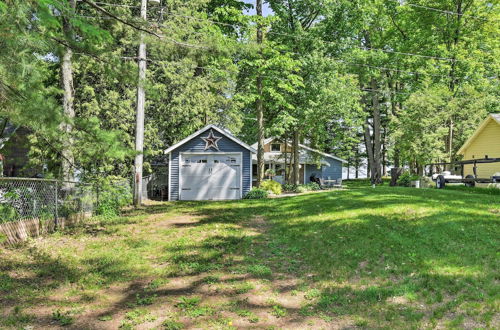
x=396, y=82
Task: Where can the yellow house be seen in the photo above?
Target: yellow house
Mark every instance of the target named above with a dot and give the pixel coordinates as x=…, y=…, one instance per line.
x=484, y=143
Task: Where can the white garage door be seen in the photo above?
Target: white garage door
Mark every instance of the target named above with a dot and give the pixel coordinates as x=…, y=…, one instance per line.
x=210, y=176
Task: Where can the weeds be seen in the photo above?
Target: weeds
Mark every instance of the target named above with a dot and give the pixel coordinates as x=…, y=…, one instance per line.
x=63, y=318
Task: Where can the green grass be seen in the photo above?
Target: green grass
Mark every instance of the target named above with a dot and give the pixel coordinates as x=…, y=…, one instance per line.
x=385, y=257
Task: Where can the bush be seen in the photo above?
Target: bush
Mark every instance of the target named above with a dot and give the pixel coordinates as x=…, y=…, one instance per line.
x=312, y=186
x=114, y=194
x=7, y=213
x=272, y=186
x=256, y=193
x=288, y=187
x=406, y=178
x=301, y=189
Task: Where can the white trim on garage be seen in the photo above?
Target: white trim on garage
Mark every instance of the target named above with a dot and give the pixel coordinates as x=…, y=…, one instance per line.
x=169, y=176
x=251, y=175
x=206, y=128
x=181, y=154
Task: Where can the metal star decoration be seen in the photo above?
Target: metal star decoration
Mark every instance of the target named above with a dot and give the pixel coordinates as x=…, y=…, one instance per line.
x=211, y=141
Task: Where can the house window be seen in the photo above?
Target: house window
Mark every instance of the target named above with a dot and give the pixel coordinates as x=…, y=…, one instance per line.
x=276, y=147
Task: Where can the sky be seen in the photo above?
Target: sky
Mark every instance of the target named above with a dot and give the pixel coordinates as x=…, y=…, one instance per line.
x=265, y=8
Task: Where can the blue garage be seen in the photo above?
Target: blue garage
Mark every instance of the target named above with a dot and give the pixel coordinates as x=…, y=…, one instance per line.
x=211, y=164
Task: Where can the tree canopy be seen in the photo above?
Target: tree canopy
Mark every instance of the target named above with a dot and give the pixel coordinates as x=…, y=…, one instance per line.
x=398, y=82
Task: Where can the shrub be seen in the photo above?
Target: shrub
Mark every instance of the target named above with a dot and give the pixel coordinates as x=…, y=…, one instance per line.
x=312, y=186
x=301, y=189
x=114, y=194
x=272, y=186
x=7, y=213
x=288, y=187
x=256, y=193
x=406, y=178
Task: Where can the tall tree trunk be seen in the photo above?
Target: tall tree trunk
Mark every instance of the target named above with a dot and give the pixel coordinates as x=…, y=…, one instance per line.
x=285, y=152
x=450, y=140
x=68, y=159
x=452, y=74
x=296, y=157
x=397, y=159
x=369, y=149
x=376, y=169
x=260, y=107
x=395, y=109
x=384, y=154
x=374, y=143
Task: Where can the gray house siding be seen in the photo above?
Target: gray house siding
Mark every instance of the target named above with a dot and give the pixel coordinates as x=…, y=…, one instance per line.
x=310, y=169
x=334, y=171
x=196, y=144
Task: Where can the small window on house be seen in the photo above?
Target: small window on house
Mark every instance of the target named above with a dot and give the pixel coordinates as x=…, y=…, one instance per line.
x=276, y=147
x=201, y=161
x=216, y=161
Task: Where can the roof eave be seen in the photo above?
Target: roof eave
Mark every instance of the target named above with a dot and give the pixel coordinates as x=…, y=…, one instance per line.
x=323, y=153
x=206, y=128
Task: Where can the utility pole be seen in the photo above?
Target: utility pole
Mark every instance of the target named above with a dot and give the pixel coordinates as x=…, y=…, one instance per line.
x=141, y=99
x=259, y=104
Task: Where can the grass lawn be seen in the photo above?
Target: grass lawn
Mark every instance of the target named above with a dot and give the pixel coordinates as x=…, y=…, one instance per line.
x=362, y=257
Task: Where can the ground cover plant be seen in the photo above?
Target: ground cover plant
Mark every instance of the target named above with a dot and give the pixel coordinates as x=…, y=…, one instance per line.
x=362, y=257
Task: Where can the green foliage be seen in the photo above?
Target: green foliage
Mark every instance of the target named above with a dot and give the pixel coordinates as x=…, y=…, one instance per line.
x=406, y=178
x=261, y=271
x=17, y=318
x=301, y=188
x=8, y=213
x=256, y=193
x=312, y=186
x=288, y=187
x=144, y=300
x=172, y=325
x=63, y=318
x=112, y=195
x=278, y=311
x=188, y=302
x=136, y=317
x=271, y=186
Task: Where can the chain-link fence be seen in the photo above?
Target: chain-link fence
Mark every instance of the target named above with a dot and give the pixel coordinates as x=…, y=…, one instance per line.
x=32, y=207
x=25, y=198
